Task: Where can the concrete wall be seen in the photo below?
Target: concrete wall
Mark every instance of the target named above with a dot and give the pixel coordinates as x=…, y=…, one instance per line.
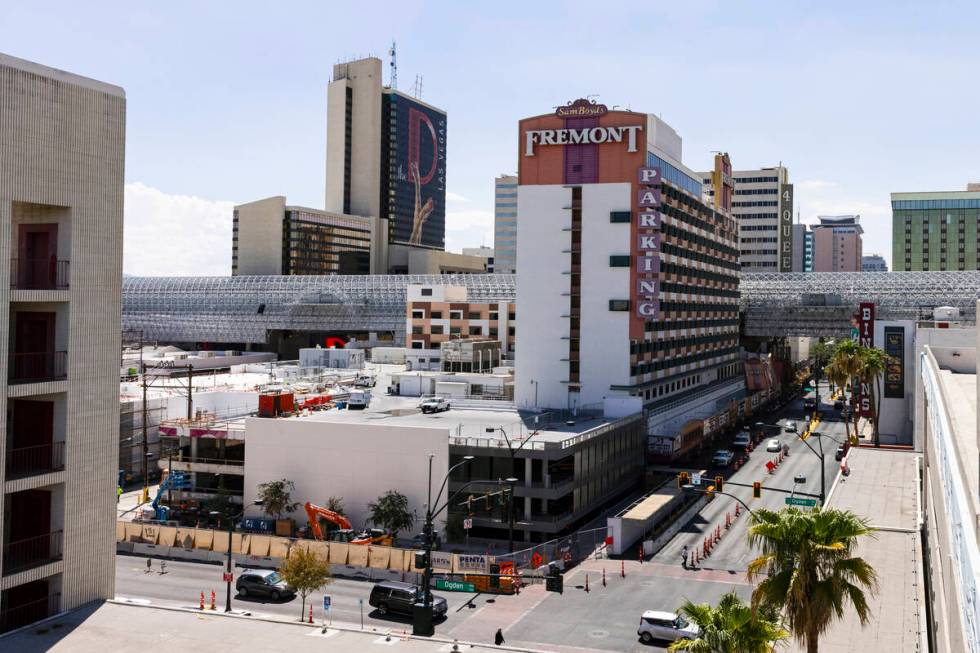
x=62, y=148
x=959, y=340
x=541, y=282
x=260, y=236
x=356, y=461
x=896, y=422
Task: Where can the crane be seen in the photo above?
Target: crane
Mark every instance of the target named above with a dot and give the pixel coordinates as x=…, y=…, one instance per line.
x=314, y=513
x=174, y=480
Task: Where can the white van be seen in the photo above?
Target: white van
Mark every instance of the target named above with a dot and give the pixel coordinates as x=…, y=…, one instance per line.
x=359, y=399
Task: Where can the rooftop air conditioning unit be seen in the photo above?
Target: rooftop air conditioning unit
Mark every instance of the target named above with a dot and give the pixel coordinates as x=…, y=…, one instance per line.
x=947, y=313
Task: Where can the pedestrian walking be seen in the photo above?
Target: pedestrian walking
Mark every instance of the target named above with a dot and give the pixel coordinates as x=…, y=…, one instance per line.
x=498, y=639
x=684, y=557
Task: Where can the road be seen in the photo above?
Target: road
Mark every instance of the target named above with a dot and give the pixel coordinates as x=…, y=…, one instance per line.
x=607, y=617
x=183, y=583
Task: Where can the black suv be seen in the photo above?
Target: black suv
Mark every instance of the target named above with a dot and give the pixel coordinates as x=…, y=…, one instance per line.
x=262, y=582
x=393, y=596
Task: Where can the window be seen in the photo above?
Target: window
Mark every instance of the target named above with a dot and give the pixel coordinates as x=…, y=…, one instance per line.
x=417, y=344
x=619, y=261
x=418, y=314
x=455, y=331
x=476, y=331
x=620, y=216
x=455, y=315
x=436, y=329
x=493, y=315
x=436, y=315
x=427, y=292
x=416, y=330
x=619, y=305
x=473, y=315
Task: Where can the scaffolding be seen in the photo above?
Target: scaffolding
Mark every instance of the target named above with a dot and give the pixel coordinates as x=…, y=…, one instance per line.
x=822, y=303
x=243, y=309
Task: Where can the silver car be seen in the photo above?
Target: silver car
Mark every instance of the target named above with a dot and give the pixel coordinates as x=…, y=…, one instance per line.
x=665, y=627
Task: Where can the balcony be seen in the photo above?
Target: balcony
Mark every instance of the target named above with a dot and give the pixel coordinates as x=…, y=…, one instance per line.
x=32, y=367
x=34, y=460
x=25, y=614
x=39, y=274
x=32, y=552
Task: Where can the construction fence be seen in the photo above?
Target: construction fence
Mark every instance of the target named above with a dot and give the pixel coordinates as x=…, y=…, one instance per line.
x=268, y=550
x=567, y=551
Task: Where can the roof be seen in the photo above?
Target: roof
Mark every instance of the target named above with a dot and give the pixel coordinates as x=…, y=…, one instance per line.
x=657, y=614
x=61, y=75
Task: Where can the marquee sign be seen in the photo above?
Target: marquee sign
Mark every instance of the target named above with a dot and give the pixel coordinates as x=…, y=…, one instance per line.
x=584, y=136
x=646, y=246
x=582, y=108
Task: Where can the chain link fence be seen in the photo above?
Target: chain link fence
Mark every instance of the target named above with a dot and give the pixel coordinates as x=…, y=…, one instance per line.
x=567, y=551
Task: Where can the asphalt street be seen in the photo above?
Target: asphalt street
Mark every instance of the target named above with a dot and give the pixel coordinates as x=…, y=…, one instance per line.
x=183, y=583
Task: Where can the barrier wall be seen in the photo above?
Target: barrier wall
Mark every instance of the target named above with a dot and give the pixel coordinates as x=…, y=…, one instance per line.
x=267, y=550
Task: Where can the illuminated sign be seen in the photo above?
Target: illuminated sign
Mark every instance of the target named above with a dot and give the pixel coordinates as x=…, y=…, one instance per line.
x=584, y=136
x=582, y=109
x=895, y=367
x=866, y=338
x=786, y=227
x=646, y=245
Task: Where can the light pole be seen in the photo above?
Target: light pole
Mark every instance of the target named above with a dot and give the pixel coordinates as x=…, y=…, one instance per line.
x=422, y=620
x=231, y=529
x=510, y=513
x=694, y=488
x=513, y=464
x=823, y=467
x=535, y=392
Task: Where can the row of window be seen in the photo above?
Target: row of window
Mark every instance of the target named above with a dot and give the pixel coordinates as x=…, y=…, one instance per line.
x=694, y=239
x=757, y=191
x=698, y=290
x=756, y=203
x=757, y=216
x=667, y=248
x=656, y=346
x=759, y=251
x=673, y=268
x=657, y=366
x=758, y=227
x=701, y=323
x=761, y=239
x=937, y=204
x=702, y=307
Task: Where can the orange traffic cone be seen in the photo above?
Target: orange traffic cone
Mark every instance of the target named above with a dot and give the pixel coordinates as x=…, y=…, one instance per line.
x=311, y=613
x=212, y=600
x=202, y=601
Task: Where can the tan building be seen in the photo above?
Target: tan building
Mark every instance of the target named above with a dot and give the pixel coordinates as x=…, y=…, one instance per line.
x=837, y=244
x=62, y=152
x=270, y=237
x=437, y=314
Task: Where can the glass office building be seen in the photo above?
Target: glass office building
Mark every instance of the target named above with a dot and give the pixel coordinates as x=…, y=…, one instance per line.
x=936, y=231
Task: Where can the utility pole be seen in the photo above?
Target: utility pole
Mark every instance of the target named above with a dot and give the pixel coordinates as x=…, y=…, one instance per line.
x=190, y=392
x=144, y=466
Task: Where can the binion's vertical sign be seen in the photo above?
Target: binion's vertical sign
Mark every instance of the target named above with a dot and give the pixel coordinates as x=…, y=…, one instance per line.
x=866, y=338
x=646, y=247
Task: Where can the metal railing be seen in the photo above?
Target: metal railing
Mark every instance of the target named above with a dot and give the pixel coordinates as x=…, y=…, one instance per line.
x=35, y=366
x=164, y=461
x=32, y=552
x=37, y=459
x=39, y=274
x=25, y=614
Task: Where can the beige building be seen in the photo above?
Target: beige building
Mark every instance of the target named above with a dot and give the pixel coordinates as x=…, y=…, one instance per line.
x=270, y=237
x=837, y=245
x=438, y=314
x=505, y=224
x=62, y=152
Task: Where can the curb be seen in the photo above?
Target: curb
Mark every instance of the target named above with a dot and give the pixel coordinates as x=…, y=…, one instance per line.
x=351, y=628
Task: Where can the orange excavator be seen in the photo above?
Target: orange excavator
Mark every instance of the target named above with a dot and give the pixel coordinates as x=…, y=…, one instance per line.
x=343, y=533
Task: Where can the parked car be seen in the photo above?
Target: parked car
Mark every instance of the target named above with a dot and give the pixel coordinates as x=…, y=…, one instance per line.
x=841, y=452
x=393, y=596
x=838, y=405
x=774, y=445
x=742, y=439
x=434, y=405
x=722, y=458
x=665, y=626
x=810, y=403
x=263, y=582
x=790, y=427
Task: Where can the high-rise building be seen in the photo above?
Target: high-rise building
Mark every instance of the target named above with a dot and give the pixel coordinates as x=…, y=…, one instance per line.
x=505, y=224
x=270, y=237
x=386, y=156
x=936, y=231
x=873, y=263
x=62, y=147
x=837, y=243
x=762, y=205
x=627, y=279
x=802, y=248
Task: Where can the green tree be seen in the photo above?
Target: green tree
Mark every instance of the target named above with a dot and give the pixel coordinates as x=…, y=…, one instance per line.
x=871, y=366
x=808, y=569
x=820, y=352
x=846, y=363
x=276, y=497
x=390, y=512
x=336, y=504
x=731, y=627
x=837, y=376
x=305, y=573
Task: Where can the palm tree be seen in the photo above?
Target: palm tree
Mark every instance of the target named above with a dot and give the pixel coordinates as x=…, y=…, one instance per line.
x=871, y=365
x=732, y=627
x=846, y=363
x=820, y=352
x=837, y=376
x=808, y=570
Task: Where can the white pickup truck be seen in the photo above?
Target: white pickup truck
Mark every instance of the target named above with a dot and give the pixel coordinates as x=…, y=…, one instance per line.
x=359, y=399
x=434, y=405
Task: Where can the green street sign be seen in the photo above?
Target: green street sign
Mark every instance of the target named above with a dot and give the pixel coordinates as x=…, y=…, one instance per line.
x=454, y=586
x=800, y=501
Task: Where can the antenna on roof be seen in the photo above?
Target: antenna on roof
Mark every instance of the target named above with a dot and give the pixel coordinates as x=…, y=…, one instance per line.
x=393, y=65
x=417, y=89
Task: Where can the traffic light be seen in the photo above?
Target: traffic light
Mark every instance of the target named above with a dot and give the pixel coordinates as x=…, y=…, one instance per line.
x=719, y=483
x=756, y=490
x=709, y=492
x=554, y=582
x=683, y=479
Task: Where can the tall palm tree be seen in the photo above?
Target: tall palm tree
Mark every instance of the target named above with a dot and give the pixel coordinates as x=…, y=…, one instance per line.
x=846, y=362
x=820, y=352
x=836, y=375
x=871, y=365
x=808, y=569
x=732, y=627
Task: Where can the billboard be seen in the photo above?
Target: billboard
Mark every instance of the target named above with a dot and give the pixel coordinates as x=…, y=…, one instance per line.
x=415, y=158
x=786, y=227
x=895, y=367
x=866, y=338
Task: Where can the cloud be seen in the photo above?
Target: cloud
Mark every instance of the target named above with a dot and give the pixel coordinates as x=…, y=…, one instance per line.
x=815, y=184
x=455, y=197
x=175, y=235
x=468, y=228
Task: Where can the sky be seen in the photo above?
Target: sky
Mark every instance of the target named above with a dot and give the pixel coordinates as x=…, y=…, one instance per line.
x=226, y=101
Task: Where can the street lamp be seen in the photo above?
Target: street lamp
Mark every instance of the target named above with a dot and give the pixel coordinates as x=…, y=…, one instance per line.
x=510, y=512
x=820, y=455
x=513, y=465
x=231, y=529
x=535, y=392
x=422, y=620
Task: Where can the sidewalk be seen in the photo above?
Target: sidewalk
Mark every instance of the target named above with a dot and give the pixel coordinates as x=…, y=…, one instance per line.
x=128, y=506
